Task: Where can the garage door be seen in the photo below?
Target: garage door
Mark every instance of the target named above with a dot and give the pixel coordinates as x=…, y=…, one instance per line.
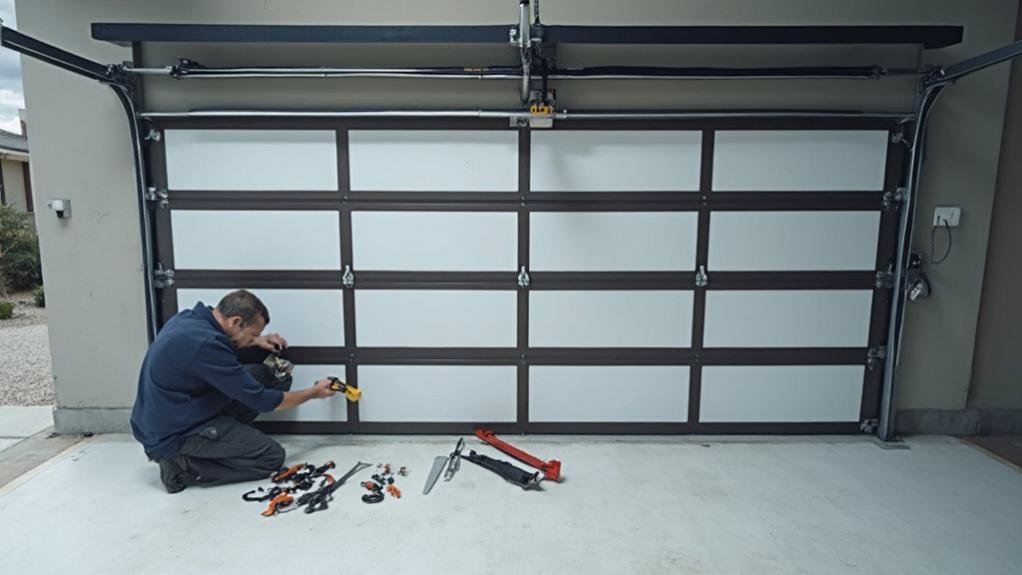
x=617, y=277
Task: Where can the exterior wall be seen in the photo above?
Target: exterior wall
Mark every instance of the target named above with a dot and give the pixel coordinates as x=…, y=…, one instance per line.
x=997, y=370
x=91, y=262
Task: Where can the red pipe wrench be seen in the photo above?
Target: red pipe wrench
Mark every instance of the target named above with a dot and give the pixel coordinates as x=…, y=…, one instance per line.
x=551, y=469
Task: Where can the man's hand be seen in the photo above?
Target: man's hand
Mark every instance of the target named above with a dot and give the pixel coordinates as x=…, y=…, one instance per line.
x=271, y=342
x=321, y=389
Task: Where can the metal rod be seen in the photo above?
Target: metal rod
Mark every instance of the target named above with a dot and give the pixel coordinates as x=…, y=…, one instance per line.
x=898, y=296
x=953, y=72
x=515, y=73
x=525, y=48
x=10, y=38
x=512, y=114
x=124, y=96
x=524, y=34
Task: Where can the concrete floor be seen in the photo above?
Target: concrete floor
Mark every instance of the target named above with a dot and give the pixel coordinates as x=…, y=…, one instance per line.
x=19, y=422
x=688, y=505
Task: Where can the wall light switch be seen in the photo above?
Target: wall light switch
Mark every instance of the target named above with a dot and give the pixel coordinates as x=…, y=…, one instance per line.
x=949, y=214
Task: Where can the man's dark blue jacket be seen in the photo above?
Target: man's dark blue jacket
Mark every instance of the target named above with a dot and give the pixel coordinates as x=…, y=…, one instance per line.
x=190, y=375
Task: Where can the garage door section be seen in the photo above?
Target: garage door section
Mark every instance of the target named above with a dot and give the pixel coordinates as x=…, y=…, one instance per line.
x=596, y=277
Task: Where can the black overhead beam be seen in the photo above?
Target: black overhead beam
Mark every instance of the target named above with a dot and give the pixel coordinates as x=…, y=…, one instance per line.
x=927, y=36
x=125, y=34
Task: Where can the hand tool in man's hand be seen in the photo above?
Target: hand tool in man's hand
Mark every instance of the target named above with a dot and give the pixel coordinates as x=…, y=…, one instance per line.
x=551, y=469
x=349, y=391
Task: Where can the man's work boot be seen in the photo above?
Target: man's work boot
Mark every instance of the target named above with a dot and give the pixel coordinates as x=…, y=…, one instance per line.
x=172, y=474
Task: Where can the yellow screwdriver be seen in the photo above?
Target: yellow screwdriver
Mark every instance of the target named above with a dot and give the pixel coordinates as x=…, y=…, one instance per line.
x=350, y=392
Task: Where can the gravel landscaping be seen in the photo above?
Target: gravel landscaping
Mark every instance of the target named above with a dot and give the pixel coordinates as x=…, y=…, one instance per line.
x=26, y=377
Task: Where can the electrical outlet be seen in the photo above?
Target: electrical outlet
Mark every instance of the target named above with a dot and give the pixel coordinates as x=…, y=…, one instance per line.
x=949, y=214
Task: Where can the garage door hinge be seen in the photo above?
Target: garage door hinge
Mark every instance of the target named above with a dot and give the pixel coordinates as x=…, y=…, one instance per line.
x=348, y=279
x=893, y=200
x=702, y=280
x=158, y=197
x=885, y=279
x=523, y=278
x=875, y=356
x=869, y=426
x=162, y=278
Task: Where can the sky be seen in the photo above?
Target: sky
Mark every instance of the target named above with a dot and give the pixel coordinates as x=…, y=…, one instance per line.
x=11, y=96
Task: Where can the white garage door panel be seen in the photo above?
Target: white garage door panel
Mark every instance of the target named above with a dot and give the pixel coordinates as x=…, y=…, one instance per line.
x=601, y=241
x=793, y=241
x=331, y=409
x=437, y=241
x=810, y=318
x=781, y=393
x=433, y=160
x=305, y=317
x=615, y=160
x=610, y=318
x=287, y=240
x=608, y=393
x=438, y=393
x=436, y=318
x=793, y=160
x=255, y=160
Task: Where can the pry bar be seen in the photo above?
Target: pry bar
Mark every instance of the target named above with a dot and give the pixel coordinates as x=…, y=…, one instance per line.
x=551, y=469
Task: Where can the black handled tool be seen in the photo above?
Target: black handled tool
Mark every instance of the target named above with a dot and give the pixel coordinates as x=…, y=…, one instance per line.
x=509, y=472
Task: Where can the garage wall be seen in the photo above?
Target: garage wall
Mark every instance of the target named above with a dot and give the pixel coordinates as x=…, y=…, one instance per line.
x=997, y=372
x=14, y=184
x=81, y=151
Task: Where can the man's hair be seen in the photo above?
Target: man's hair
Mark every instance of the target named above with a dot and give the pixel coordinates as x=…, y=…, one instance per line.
x=244, y=304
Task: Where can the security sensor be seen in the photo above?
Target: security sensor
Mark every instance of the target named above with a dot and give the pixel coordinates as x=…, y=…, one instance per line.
x=61, y=207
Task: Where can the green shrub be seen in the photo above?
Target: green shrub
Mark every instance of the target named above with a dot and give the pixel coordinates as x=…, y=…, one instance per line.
x=39, y=295
x=6, y=310
x=19, y=251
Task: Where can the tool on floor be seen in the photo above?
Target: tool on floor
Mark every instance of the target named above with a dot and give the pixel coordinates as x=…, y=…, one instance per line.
x=260, y=494
x=321, y=499
x=438, y=468
x=509, y=472
x=350, y=392
x=551, y=469
x=288, y=473
x=455, y=460
x=279, y=504
x=374, y=497
x=324, y=468
x=309, y=495
x=394, y=491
